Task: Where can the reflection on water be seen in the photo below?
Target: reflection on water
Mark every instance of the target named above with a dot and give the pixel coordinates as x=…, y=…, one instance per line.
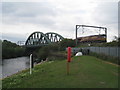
x=11, y=66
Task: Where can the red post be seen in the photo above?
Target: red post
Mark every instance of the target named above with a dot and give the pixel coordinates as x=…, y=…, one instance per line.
x=69, y=54
x=68, y=58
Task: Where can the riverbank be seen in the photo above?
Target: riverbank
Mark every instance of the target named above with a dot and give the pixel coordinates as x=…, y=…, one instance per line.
x=26, y=69
x=85, y=72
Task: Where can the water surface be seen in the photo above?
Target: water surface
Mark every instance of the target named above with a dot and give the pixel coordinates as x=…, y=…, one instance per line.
x=12, y=66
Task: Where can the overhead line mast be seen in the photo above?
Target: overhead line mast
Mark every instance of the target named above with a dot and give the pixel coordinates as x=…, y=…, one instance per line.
x=78, y=26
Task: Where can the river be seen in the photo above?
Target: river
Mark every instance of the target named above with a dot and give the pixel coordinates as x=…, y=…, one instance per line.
x=12, y=66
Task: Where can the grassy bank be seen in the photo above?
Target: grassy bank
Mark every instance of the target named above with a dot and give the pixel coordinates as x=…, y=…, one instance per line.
x=85, y=72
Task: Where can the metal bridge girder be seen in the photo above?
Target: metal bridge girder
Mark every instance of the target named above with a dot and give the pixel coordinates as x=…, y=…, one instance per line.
x=40, y=39
x=37, y=38
x=54, y=37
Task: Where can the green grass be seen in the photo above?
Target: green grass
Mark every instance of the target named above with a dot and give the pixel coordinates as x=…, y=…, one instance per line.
x=85, y=72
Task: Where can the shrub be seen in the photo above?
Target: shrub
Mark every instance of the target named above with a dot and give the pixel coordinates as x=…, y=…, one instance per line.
x=46, y=51
x=66, y=43
x=105, y=57
x=57, y=56
x=52, y=52
x=11, y=50
x=43, y=53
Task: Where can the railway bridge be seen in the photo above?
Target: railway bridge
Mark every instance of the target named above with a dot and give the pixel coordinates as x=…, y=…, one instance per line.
x=37, y=39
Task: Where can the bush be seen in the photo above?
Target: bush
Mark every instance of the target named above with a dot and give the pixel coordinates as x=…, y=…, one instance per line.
x=57, y=56
x=105, y=57
x=46, y=51
x=66, y=43
x=43, y=53
x=52, y=52
x=11, y=50
x=54, y=47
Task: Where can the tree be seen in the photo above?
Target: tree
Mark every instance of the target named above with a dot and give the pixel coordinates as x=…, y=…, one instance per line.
x=11, y=50
x=115, y=38
x=66, y=43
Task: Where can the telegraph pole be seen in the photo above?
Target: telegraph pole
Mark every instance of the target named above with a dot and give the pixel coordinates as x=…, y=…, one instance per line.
x=76, y=35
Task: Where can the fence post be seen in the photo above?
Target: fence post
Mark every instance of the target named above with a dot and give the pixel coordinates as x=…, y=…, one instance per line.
x=109, y=51
x=95, y=49
x=99, y=49
x=117, y=51
x=31, y=63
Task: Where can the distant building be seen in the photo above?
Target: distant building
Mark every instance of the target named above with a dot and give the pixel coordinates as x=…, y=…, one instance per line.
x=93, y=39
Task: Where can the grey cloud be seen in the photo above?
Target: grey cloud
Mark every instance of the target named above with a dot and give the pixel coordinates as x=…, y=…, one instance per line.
x=8, y=8
x=21, y=9
x=13, y=37
x=28, y=12
x=106, y=13
x=119, y=18
x=42, y=21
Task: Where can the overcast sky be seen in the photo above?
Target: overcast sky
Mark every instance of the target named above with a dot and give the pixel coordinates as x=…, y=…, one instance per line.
x=22, y=17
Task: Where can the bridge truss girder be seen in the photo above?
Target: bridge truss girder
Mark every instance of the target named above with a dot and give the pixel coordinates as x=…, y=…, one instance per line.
x=40, y=39
x=54, y=37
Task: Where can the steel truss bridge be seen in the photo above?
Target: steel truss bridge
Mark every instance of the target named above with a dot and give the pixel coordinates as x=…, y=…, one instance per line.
x=37, y=39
